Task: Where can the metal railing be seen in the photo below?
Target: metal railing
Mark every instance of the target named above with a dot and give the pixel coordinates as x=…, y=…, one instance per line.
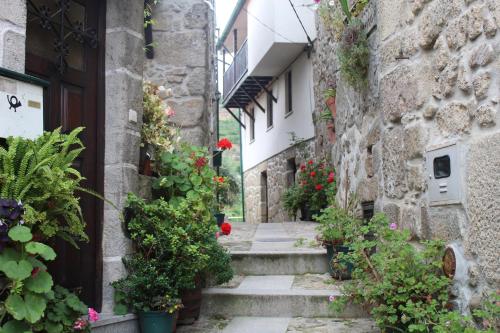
x=237, y=69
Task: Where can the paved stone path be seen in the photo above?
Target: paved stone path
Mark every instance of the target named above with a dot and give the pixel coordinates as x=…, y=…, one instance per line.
x=280, y=286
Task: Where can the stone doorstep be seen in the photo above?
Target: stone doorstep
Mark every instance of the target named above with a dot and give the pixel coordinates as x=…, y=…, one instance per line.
x=109, y=319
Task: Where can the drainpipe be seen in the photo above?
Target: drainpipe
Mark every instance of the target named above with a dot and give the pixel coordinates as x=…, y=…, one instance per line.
x=241, y=172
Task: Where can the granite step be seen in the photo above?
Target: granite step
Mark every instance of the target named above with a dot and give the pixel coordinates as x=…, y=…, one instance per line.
x=279, y=325
x=279, y=262
x=276, y=296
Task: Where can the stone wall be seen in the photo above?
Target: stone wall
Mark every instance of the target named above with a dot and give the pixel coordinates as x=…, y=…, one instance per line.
x=279, y=177
x=434, y=78
x=184, y=52
x=123, y=105
x=13, y=35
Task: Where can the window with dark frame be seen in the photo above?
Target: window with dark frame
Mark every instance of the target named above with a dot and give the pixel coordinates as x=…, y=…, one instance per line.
x=288, y=92
x=252, y=125
x=269, y=111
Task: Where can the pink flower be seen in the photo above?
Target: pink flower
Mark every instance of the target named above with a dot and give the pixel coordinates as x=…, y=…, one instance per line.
x=80, y=324
x=169, y=112
x=93, y=315
x=217, y=234
x=319, y=187
x=332, y=298
x=317, y=1
x=393, y=226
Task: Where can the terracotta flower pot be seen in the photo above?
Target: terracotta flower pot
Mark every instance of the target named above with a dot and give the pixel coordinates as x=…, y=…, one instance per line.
x=332, y=106
x=331, y=131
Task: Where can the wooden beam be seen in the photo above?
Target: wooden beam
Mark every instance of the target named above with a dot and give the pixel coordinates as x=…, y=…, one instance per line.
x=254, y=100
x=236, y=118
x=245, y=110
x=265, y=89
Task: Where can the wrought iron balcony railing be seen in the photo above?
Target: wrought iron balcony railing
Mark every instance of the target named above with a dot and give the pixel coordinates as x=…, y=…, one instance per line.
x=237, y=70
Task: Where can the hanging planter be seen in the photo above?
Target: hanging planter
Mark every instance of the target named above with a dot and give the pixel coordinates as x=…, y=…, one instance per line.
x=220, y=217
x=217, y=158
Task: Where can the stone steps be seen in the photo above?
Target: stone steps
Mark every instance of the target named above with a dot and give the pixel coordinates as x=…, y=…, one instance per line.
x=276, y=296
x=279, y=263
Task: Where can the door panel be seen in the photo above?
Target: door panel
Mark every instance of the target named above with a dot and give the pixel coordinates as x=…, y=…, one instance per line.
x=74, y=99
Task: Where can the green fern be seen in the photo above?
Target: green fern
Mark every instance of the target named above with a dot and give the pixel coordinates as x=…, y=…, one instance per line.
x=40, y=174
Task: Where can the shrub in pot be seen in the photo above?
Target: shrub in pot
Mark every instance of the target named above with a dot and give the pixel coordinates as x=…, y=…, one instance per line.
x=402, y=284
x=315, y=184
x=335, y=229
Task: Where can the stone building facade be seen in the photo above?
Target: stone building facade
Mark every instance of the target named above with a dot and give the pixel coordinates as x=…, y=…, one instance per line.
x=434, y=82
x=184, y=62
x=266, y=183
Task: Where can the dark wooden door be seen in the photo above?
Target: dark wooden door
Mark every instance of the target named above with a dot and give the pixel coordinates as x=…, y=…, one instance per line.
x=64, y=47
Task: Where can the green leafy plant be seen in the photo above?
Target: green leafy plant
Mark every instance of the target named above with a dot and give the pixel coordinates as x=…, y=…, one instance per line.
x=65, y=311
x=403, y=288
x=227, y=195
x=40, y=174
x=185, y=173
x=315, y=184
x=333, y=19
x=175, y=244
x=354, y=54
x=337, y=223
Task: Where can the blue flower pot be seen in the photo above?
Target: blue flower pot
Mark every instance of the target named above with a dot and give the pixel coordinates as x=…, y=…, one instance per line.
x=157, y=322
x=337, y=272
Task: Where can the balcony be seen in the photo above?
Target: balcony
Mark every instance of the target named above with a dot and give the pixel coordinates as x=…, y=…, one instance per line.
x=238, y=68
x=239, y=89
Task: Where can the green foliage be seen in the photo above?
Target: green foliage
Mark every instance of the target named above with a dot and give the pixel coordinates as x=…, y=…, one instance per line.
x=230, y=193
x=175, y=243
x=316, y=183
x=156, y=130
x=354, y=54
x=293, y=200
x=40, y=174
x=403, y=287
x=64, y=308
x=185, y=173
x=333, y=19
x=336, y=224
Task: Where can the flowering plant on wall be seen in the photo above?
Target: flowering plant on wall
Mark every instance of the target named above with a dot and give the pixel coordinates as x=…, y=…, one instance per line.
x=156, y=130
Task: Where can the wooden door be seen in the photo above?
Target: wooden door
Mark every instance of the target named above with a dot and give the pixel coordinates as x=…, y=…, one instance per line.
x=64, y=46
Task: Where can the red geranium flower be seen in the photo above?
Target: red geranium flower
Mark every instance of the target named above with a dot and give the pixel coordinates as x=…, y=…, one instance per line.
x=310, y=162
x=224, y=144
x=225, y=228
x=330, y=180
x=319, y=187
x=313, y=173
x=331, y=175
x=201, y=162
x=303, y=167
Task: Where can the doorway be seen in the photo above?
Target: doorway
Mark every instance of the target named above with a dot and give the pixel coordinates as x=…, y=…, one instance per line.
x=65, y=46
x=264, y=197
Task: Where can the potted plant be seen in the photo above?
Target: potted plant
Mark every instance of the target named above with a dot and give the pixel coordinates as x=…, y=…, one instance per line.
x=292, y=201
x=149, y=291
x=336, y=226
x=330, y=100
x=315, y=182
x=222, y=145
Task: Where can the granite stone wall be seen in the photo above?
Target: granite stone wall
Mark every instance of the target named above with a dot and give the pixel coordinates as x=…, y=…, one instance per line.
x=184, y=48
x=434, y=79
x=280, y=176
x=13, y=35
x=123, y=105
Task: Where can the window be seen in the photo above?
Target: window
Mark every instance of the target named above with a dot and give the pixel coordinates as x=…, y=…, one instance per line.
x=442, y=167
x=288, y=93
x=252, y=125
x=270, y=115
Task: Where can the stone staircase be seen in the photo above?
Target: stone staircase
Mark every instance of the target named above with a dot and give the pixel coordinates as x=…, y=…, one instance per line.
x=280, y=286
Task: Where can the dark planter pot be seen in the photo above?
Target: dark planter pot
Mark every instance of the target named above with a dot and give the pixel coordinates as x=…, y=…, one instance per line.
x=157, y=322
x=332, y=252
x=217, y=158
x=308, y=214
x=145, y=162
x=219, y=217
x=191, y=301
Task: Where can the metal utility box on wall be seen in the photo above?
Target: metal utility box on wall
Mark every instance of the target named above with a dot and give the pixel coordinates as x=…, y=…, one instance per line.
x=443, y=169
x=21, y=105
